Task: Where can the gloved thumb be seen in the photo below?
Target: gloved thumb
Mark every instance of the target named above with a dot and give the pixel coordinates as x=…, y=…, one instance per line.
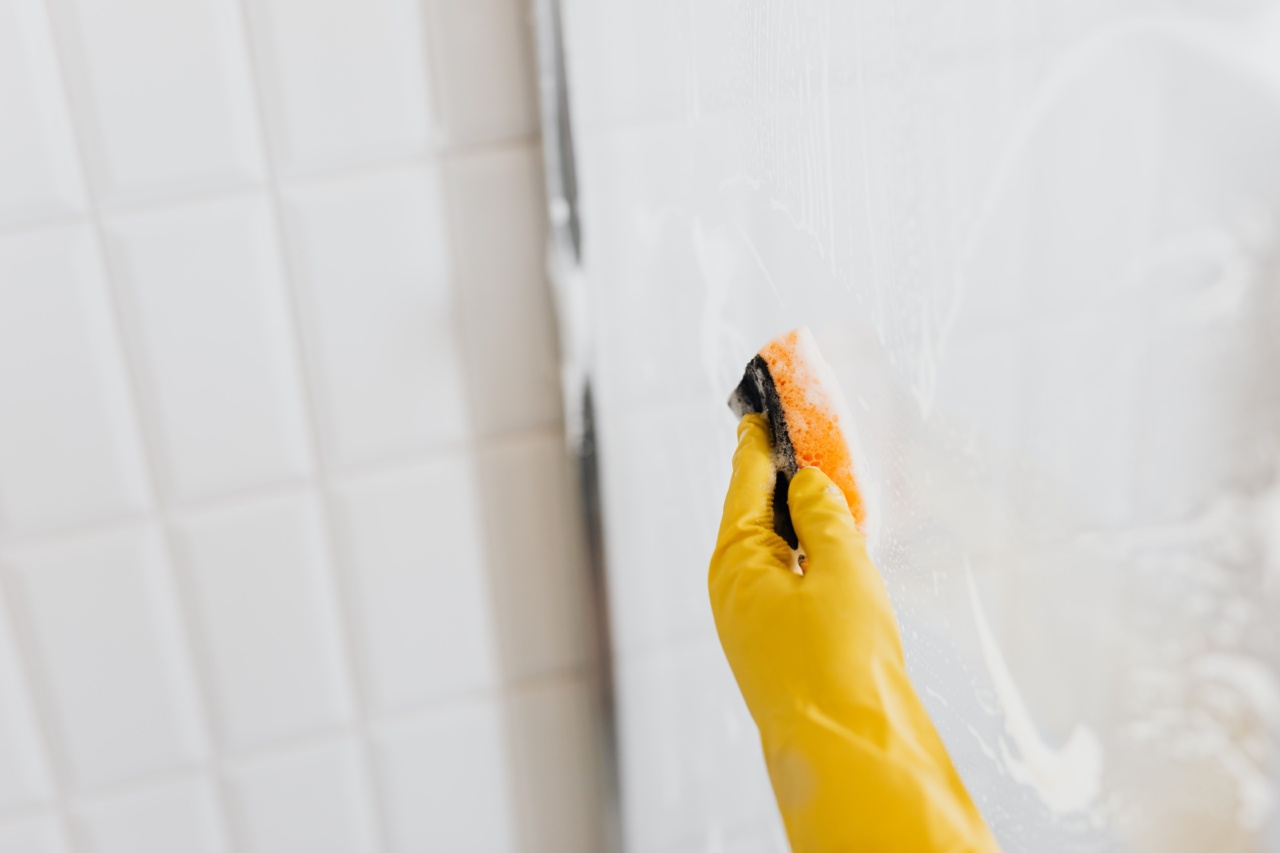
x=747, y=503
x=824, y=525
x=746, y=527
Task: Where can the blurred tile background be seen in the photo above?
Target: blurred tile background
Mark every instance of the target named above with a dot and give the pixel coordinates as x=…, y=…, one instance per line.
x=289, y=555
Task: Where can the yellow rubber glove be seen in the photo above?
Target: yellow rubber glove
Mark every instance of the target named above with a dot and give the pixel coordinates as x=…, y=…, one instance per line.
x=856, y=764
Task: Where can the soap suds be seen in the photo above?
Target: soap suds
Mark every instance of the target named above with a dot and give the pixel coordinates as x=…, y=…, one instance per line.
x=1069, y=778
x=818, y=418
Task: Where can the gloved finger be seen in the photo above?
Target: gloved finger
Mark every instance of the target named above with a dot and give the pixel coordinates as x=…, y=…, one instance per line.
x=747, y=523
x=748, y=502
x=824, y=525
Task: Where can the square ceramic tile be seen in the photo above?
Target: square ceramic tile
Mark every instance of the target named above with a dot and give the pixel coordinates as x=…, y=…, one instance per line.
x=260, y=582
x=498, y=226
x=68, y=440
x=483, y=60
x=167, y=93
x=180, y=816
x=418, y=576
x=665, y=473
x=379, y=304
x=39, y=169
x=689, y=298
x=689, y=748
x=24, y=770
x=103, y=620
x=629, y=62
x=535, y=541
x=33, y=835
x=445, y=780
x=344, y=82
x=561, y=795
x=207, y=311
x=314, y=800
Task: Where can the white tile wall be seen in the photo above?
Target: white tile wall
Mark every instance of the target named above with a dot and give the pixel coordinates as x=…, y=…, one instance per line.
x=103, y=621
x=372, y=260
x=450, y=782
x=288, y=556
x=509, y=336
x=69, y=448
x=346, y=82
x=266, y=617
x=484, y=62
x=183, y=815
x=33, y=835
x=24, y=773
x=313, y=799
x=691, y=752
x=415, y=561
x=162, y=96
x=193, y=280
x=559, y=785
x=39, y=171
x=539, y=586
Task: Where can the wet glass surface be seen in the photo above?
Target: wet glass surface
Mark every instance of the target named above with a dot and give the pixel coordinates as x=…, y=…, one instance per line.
x=1039, y=245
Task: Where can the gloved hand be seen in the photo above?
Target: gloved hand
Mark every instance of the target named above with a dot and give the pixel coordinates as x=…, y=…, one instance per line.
x=855, y=763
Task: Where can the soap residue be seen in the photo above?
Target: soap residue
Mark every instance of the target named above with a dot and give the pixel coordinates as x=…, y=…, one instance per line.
x=1245, y=687
x=1069, y=778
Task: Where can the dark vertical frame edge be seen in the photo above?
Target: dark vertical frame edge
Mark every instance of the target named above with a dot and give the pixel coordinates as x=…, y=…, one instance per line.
x=573, y=318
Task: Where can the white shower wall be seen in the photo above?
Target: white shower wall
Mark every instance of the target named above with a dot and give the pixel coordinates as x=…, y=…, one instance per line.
x=1037, y=242
x=288, y=547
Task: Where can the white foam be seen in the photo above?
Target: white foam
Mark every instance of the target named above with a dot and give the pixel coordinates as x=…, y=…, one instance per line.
x=815, y=376
x=1068, y=778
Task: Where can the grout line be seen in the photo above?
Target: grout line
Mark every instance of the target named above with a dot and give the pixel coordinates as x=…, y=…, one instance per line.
x=43, y=224
x=498, y=145
x=131, y=378
x=198, y=771
x=49, y=535
x=311, y=389
x=500, y=693
x=431, y=158
x=427, y=24
x=15, y=816
x=53, y=751
x=239, y=190
x=150, y=437
x=355, y=473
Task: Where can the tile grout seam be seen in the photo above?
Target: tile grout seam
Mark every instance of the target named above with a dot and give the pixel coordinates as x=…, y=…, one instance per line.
x=346, y=622
x=200, y=680
x=432, y=158
x=566, y=675
x=387, y=465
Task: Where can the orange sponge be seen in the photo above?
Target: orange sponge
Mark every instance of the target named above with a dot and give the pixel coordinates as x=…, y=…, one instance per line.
x=792, y=384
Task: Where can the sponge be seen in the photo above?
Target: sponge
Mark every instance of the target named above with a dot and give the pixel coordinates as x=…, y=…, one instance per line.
x=793, y=386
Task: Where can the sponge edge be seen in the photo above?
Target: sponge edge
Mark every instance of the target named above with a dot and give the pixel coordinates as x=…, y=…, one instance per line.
x=795, y=388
